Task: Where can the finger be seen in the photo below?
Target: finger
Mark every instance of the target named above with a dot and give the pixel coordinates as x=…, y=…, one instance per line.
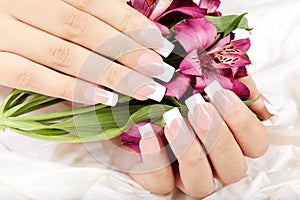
x=127, y=20
x=195, y=176
x=151, y=169
x=224, y=152
x=21, y=73
x=69, y=23
x=77, y=61
x=248, y=131
x=262, y=107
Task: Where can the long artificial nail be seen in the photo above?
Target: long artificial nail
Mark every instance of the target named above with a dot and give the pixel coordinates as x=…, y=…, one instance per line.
x=180, y=136
x=99, y=95
x=152, y=91
x=275, y=115
x=193, y=101
x=155, y=67
x=149, y=143
x=171, y=116
x=212, y=89
x=201, y=112
x=167, y=48
x=152, y=38
x=225, y=102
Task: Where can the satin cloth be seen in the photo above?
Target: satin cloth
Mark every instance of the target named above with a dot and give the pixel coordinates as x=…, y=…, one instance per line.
x=33, y=169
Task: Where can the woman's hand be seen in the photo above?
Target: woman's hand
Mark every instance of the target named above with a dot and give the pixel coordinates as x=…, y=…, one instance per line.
x=64, y=48
x=211, y=142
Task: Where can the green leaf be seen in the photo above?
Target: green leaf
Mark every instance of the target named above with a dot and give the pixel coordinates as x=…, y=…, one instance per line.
x=227, y=24
x=250, y=102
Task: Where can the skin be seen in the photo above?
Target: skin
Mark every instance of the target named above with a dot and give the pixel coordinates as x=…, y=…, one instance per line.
x=37, y=36
x=194, y=170
x=57, y=37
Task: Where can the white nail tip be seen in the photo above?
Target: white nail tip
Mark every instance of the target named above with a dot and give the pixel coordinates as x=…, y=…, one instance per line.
x=275, y=118
x=146, y=131
x=193, y=101
x=167, y=74
x=91, y=94
x=212, y=88
x=167, y=48
x=112, y=99
x=159, y=93
x=172, y=115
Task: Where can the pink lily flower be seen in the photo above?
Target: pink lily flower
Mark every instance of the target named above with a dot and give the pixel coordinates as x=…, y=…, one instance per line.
x=132, y=137
x=205, y=62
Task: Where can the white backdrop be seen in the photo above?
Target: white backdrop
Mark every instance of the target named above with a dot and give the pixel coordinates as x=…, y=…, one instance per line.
x=32, y=169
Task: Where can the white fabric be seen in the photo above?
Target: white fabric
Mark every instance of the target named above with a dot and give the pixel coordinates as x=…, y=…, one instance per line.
x=32, y=169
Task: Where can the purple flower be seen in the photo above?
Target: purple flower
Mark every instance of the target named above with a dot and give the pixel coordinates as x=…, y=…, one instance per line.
x=206, y=61
x=132, y=137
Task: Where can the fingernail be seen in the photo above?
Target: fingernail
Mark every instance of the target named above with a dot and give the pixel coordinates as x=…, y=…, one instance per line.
x=167, y=48
x=152, y=91
x=171, y=116
x=98, y=95
x=180, y=136
x=193, y=101
x=275, y=115
x=155, y=67
x=149, y=144
x=201, y=113
x=152, y=38
x=225, y=102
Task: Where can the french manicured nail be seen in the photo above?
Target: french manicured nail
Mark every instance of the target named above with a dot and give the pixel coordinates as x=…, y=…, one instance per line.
x=152, y=38
x=99, y=95
x=148, y=143
x=152, y=91
x=171, y=116
x=201, y=113
x=155, y=67
x=275, y=115
x=225, y=102
x=193, y=101
x=167, y=48
x=180, y=136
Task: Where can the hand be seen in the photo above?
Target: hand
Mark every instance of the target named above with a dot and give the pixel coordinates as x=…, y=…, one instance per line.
x=212, y=142
x=61, y=48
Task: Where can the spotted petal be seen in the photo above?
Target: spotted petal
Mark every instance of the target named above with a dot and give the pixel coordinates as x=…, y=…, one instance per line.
x=232, y=59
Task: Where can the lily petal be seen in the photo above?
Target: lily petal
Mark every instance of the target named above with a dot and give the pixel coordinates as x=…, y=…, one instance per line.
x=160, y=8
x=178, y=86
x=132, y=137
x=164, y=30
x=145, y=7
x=242, y=45
x=235, y=60
x=210, y=5
x=195, y=34
x=183, y=13
x=191, y=64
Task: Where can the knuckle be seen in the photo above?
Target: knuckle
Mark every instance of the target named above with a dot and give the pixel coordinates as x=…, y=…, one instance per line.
x=84, y=4
x=74, y=24
x=238, y=119
x=61, y=56
x=66, y=91
x=127, y=20
x=26, y=80
x=121, y=48
x=109, y=77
